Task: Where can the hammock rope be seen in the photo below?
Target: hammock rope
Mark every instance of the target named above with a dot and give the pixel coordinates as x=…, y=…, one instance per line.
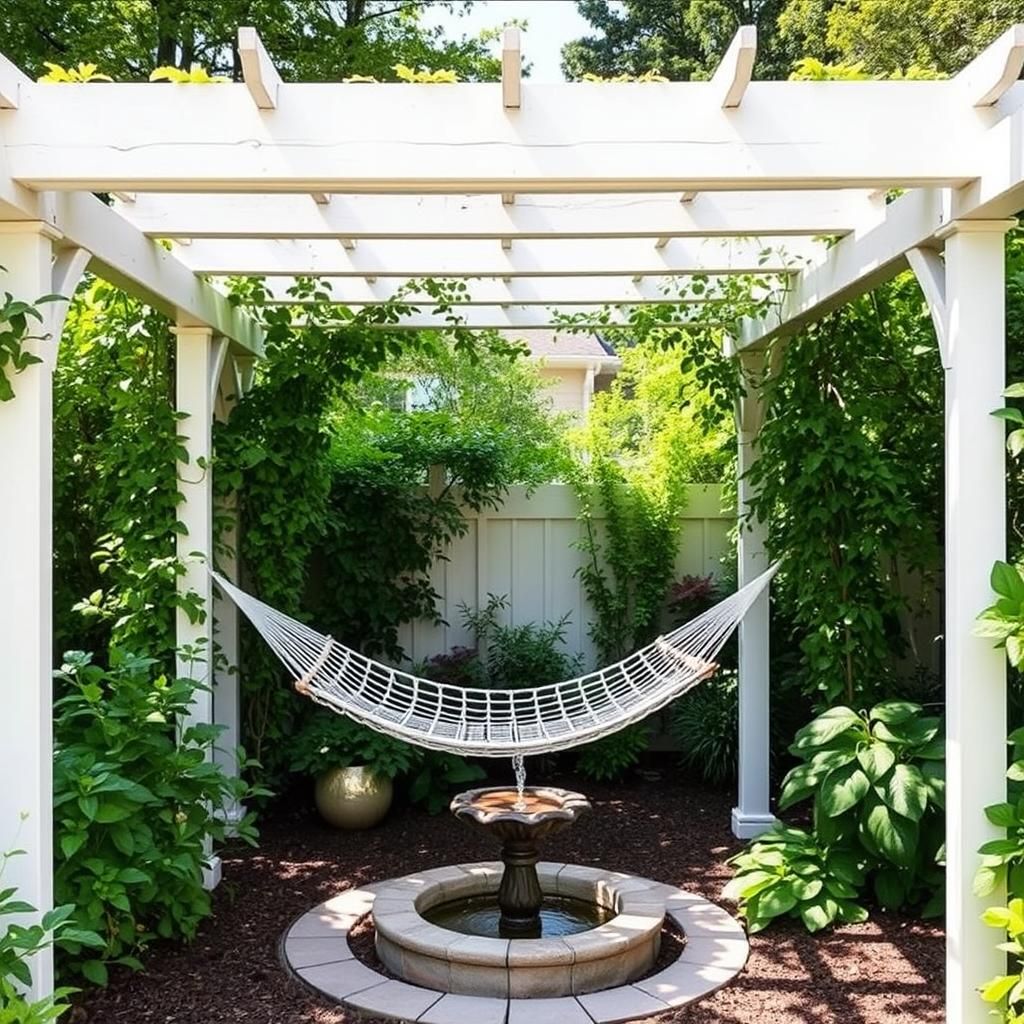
x=499, y=723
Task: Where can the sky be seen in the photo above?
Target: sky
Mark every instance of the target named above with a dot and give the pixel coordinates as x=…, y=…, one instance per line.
x=551, y=24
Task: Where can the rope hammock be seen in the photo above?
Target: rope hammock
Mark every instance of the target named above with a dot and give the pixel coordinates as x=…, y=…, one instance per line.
x=499, y=723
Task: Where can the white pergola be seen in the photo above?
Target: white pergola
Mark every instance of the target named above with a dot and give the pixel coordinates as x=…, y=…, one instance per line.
x=546, y=198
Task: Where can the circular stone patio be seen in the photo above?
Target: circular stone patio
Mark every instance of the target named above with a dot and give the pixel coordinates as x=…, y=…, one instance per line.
x=316, y=950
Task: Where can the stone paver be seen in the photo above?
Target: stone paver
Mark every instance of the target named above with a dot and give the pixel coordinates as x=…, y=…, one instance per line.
x=453, y=1009
x=312, y=952
x=564, y=1010
x=682, y=983
x=706, y=920
x=341, y=980
x=715, y=952
x=621, y=1004
x=315, y=925
x=394, y=999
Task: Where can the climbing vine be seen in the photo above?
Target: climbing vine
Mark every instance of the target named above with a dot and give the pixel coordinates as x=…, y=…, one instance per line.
x=18, y=321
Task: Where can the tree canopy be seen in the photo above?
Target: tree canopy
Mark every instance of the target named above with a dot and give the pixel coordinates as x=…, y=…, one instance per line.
x=684, y=39
x=310, y=40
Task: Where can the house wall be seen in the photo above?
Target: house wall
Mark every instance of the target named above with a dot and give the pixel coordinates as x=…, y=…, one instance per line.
x=527, y=551
x=567, y=388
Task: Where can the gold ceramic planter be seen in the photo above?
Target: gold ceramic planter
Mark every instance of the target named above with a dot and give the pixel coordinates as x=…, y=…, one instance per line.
x=353, y=797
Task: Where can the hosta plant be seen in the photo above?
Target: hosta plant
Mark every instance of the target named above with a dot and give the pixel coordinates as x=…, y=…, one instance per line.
x=877, y=782
x=788, y=872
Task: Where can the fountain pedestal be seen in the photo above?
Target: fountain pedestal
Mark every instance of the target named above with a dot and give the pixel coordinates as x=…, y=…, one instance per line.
x=520, y=822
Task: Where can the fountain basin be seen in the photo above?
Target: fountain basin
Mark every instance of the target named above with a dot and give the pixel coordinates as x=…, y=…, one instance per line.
x=614, y=953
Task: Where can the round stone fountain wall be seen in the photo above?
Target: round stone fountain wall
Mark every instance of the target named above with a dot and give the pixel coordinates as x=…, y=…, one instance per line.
x=614, y=953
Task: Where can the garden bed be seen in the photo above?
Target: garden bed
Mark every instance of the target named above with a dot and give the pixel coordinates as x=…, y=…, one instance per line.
x=888, y=970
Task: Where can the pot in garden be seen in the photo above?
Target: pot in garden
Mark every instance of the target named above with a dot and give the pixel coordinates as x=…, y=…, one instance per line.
x=355, y=797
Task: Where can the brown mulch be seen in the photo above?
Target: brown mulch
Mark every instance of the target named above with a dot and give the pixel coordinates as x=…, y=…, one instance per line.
x=886, y=971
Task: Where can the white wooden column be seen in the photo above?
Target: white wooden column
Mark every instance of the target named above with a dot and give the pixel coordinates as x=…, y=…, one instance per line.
x=26, y=555
x=752, y=815
x=975, y=538
x=226, y=699
x=195, y=398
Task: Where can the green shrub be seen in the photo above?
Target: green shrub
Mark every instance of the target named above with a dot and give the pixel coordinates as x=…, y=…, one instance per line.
x=520, y=656
x=329, y=741
x=610, y=758
x=135, y=807
x=705, y=724
x=333, y=741
x=788, y=872
x=19, y=942
x=437, y=775
x=877, y=781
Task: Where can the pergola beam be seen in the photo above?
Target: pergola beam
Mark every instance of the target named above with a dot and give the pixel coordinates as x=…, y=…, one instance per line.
x=852, y=267
x=535, y=258
x=733, y=74
x=388, y=138
x=522, y=318
x=123, y=256
x=511, y=69
x=991, y=74
x=258, y=71
x=12, y=79
x=650, y=215
x=523, y=291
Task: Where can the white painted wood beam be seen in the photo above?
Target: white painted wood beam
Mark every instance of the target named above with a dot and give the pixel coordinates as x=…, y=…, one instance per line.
x=975, y=531
x=733, y=74
x=195, y=357
x=320, y=198
x=538, y=291
x=752, y=814
x=258, y=71
x=640, y=215
x=124, y=197
x=123, y=256
x=26, y=598
x=535, y=258
x=988, y=77
x=853, y=266
x=511, y=69
x=12, y=80
x=630, y=137
x=508, y=317
x=930, y=271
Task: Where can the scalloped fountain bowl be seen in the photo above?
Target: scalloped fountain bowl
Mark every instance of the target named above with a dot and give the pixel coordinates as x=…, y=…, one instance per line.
x=520, y=822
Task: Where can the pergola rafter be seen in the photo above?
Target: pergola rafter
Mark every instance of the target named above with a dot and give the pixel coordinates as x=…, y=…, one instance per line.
x=546, y=201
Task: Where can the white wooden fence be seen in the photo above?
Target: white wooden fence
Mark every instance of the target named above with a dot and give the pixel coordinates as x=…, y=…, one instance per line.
x=526, y=551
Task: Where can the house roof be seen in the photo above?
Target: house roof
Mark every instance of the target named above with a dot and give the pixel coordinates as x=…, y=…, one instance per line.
x=552, y=345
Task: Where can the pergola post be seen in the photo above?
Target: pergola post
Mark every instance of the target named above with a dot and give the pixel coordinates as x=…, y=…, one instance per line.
x=194, y=362
x=226, y=697
x=752, y=815
x=26, y=612
x=975, y=538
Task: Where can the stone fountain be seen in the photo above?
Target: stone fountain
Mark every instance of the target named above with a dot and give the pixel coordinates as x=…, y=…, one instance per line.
x=514, y=930
x=520, y=821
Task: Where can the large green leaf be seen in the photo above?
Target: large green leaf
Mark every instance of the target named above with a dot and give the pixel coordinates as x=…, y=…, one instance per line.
x=826, y=728
x=889, y=889
x=905, y=791
x=779, y=900
x=1007, y=581
x=894, y=835
x=895, y=711
x=876, y=760
x=842, y=789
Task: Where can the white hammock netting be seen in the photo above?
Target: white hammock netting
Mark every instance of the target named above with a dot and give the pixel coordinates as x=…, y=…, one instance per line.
x=499, y=723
